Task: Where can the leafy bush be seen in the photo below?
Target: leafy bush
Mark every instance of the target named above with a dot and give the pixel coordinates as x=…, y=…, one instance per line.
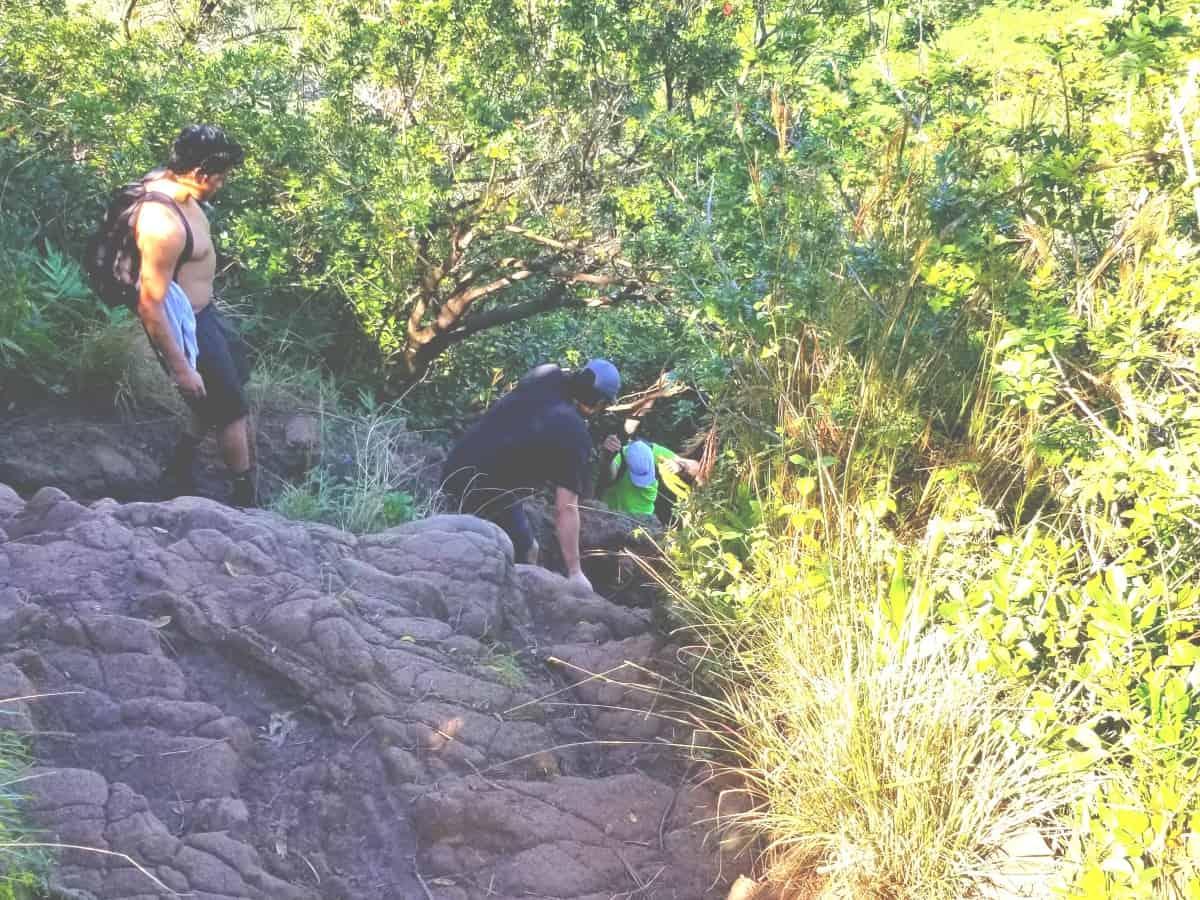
x=962, y=420
x=57, y=339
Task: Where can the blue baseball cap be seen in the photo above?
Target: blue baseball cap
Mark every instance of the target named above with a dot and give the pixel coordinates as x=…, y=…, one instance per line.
x=639, y=461
x=606, y=380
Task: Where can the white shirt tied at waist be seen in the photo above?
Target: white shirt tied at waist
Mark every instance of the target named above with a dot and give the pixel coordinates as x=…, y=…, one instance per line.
x=181, y=320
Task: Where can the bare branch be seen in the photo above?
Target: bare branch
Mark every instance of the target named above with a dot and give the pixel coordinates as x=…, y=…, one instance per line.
x=128, y=17
x=537, y=238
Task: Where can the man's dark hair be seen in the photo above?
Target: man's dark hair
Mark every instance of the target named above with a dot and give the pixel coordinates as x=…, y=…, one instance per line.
x=204, y=147
x=596, y=383
x=581, y=385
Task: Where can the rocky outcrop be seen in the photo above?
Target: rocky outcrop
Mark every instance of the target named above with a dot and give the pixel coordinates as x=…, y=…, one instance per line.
x=94, y=457
x=612, y=544
x=235, y=706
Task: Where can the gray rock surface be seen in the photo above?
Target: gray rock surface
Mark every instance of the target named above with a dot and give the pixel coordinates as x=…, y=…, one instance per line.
x=237, y=706
x=90, y=458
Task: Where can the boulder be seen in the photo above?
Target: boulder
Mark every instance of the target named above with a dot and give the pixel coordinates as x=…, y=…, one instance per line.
x=237, y=706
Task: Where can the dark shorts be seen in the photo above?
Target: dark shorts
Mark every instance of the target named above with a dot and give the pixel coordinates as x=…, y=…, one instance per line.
x=473, y=496
x=224, y=365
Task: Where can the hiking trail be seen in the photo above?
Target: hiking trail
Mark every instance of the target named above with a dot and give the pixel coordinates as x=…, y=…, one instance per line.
x=249, y=707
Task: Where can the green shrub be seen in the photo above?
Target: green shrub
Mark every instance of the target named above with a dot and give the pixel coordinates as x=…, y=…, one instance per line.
x=962, y=418
x=58, y=340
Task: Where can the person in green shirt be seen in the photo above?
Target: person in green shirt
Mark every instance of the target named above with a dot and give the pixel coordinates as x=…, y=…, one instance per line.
x=634, y=474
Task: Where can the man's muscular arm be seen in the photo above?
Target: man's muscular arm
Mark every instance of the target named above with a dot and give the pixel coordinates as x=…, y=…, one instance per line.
x=566, y=522
x=161, y=239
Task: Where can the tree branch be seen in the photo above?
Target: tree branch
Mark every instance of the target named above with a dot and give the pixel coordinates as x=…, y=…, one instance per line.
x=556, y=297
x=455, y=308
x=537, y=238
x=125, y=20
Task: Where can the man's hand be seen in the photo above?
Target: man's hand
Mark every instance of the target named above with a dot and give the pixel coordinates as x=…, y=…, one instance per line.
x=190, y=384
x=579, y=580
x=612, y=444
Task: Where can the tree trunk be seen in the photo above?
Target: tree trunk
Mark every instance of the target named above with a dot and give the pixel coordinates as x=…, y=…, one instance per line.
x=420, y=352
x=128, y=17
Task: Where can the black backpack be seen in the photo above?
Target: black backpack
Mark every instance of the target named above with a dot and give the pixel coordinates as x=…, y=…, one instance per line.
x=112, y=260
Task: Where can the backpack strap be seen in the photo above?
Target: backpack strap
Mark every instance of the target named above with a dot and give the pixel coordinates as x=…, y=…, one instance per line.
x=188, y=242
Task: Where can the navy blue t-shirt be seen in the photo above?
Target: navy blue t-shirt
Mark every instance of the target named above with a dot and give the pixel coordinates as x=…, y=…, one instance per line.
x=530, y=436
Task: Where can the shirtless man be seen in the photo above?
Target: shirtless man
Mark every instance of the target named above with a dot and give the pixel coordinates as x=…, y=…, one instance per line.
x=198, y=349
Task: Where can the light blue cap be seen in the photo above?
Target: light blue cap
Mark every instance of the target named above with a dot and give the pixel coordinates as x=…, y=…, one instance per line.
x=606, y=379
x=639, y=462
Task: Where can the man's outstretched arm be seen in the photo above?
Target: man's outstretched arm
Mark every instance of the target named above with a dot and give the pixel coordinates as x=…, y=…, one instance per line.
x=566, y=524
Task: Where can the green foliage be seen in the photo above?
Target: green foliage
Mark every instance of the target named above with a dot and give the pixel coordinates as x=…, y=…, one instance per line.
x=362, y=483
x=345, y=504
x=21, y=869
x=505, y=665
x=367, y=134
x=959, y=272
x=57, y=339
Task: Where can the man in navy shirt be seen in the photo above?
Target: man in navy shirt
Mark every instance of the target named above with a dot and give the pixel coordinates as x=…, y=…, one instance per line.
x=536, y=433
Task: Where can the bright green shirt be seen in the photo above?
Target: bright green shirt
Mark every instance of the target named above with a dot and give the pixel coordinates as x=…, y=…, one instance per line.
x=623, y=496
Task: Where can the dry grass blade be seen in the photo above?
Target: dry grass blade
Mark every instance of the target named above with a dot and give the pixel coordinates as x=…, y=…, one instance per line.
x=15, y=846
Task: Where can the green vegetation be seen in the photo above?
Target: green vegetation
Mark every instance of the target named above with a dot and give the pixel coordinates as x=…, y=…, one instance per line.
x=20, y=867
x=57, y=340
x=366, y=489
x=504, y=664
x=944, y=590
x=396, y=202
x=934, y=264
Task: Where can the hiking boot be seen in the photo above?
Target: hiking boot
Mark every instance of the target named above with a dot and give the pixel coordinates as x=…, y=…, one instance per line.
x=242, y=490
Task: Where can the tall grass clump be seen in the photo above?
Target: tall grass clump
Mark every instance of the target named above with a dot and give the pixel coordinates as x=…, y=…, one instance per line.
x=363, y=483
x=20, y=867
x=874, y=749
x=884, y=768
